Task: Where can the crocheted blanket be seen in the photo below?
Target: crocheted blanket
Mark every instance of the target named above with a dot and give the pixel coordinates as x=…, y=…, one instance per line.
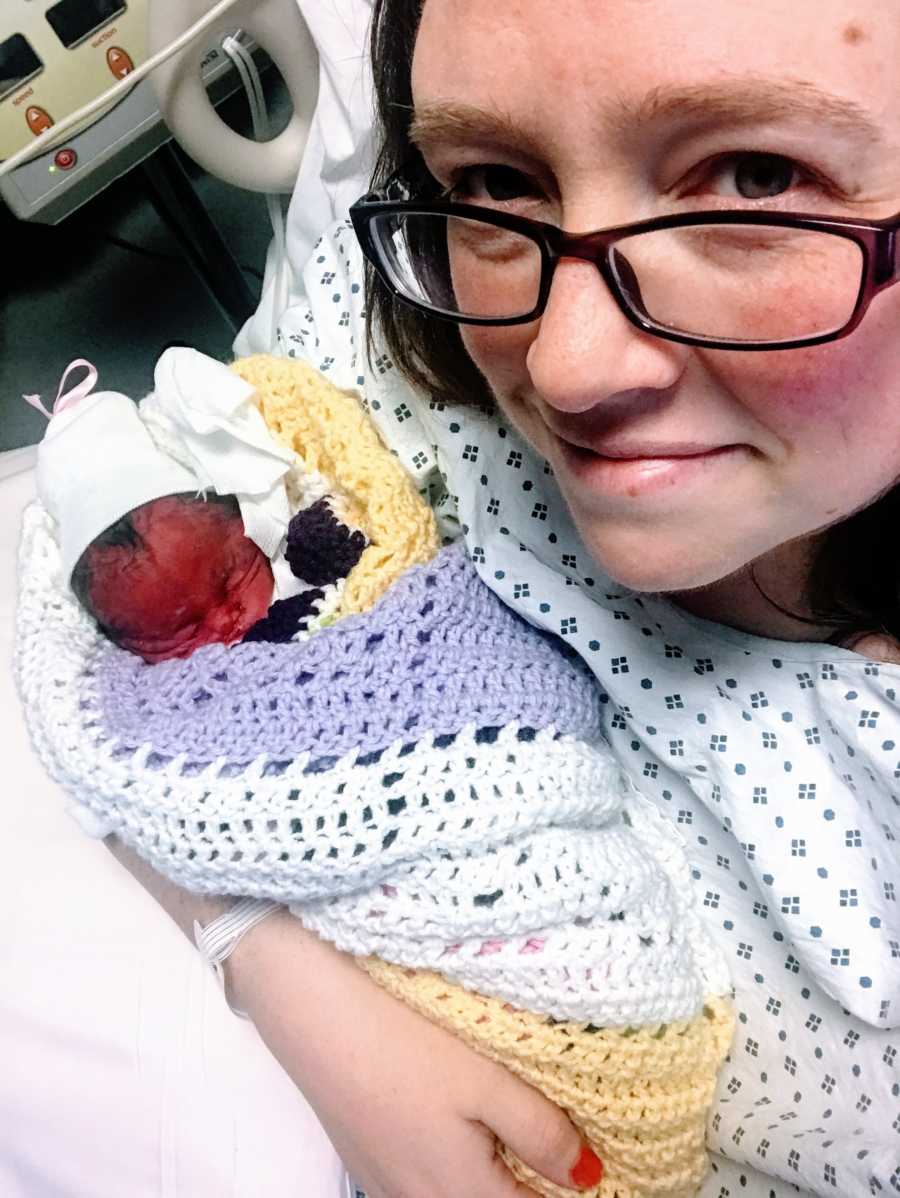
x=425, y=784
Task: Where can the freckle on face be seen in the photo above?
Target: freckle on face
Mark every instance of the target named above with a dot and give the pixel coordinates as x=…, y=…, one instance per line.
x=854, y=34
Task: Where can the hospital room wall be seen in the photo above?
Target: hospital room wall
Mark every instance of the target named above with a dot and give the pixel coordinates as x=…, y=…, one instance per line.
x=76, y=294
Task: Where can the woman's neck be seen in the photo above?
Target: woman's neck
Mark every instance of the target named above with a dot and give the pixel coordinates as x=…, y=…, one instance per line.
x=766, y=597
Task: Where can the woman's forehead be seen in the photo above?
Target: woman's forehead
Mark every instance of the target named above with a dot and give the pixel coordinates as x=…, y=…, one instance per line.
x=634, y=57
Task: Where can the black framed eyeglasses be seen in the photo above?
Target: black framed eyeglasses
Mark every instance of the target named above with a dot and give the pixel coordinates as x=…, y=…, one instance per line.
x=725, y=280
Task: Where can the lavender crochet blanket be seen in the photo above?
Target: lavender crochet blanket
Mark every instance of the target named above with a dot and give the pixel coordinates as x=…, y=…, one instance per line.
x=439, y=652
x=427, y=782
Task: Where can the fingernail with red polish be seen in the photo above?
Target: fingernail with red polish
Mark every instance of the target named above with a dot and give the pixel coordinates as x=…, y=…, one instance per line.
x=587, y=1170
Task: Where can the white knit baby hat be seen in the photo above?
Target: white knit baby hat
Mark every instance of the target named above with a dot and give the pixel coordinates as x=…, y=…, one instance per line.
x=97, y=462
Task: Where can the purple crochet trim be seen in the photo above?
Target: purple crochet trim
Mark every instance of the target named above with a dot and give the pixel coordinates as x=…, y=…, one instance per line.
x=285, y=618
x=320, y=549
x=437, y=652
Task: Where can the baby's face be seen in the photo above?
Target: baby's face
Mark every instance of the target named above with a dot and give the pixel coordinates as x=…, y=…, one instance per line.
x=679, y=464
x=192, y=579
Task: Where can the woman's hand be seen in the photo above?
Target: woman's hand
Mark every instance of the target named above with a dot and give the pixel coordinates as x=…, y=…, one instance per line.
x=875, y=646
x=413, y=1112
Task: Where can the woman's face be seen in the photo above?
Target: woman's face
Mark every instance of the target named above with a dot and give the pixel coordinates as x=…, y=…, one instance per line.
x=680, y=465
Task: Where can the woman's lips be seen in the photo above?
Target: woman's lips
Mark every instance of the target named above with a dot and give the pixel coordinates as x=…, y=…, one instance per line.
x=637, y=471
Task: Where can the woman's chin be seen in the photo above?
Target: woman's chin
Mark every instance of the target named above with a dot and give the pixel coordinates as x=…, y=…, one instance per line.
x=659, y=565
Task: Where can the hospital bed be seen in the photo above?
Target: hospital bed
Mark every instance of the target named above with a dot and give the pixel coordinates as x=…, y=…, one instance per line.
x=122, y=1072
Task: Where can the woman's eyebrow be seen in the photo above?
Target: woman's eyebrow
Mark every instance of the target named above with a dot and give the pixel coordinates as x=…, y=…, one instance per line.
x=438, y=123
x=751, y=101
x=726, y=102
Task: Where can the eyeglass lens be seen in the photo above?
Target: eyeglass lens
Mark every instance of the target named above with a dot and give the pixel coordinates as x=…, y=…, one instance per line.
x=724, y=282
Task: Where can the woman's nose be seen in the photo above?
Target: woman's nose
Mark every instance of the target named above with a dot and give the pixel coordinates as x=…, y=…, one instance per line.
x=586, y=351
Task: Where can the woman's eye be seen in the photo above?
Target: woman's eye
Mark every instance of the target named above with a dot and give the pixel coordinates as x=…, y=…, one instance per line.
x=749, y=176
x=760, y=176
x=495, y=184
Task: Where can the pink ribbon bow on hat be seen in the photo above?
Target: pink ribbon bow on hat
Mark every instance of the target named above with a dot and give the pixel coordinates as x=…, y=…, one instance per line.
x=67, y=399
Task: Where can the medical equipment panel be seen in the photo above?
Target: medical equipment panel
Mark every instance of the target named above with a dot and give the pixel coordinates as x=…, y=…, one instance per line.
x=56, y=57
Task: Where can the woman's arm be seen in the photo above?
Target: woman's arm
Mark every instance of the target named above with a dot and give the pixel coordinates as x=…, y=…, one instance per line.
x=181, y=905
x=413, y=1112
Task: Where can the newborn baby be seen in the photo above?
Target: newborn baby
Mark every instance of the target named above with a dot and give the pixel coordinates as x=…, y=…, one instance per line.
x=179, y=572
x=174, y=574
x=419, y=775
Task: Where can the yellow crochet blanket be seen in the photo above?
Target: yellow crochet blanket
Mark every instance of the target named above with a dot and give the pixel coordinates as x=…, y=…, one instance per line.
x=640, y=1096
x=332, y=436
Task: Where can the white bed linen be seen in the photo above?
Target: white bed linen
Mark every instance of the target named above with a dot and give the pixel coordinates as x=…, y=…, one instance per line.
x=122, y=1071
x=337, y=161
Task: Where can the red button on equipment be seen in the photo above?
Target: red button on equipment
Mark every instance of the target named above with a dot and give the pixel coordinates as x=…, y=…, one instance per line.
x=38, y=119
x=119, y=62
x=65, y=159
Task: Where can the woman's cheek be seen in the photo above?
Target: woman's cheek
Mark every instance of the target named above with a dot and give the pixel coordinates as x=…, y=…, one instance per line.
x=834, y=414
x=497, y=350
x=500, y=354
x=785, y=389
x=851, y=383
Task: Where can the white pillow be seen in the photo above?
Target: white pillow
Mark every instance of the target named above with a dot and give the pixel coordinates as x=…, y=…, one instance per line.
x=339, y=155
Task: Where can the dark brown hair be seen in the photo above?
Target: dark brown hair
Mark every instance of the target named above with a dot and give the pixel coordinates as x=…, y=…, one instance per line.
x=855, y=580
x=428, y=352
